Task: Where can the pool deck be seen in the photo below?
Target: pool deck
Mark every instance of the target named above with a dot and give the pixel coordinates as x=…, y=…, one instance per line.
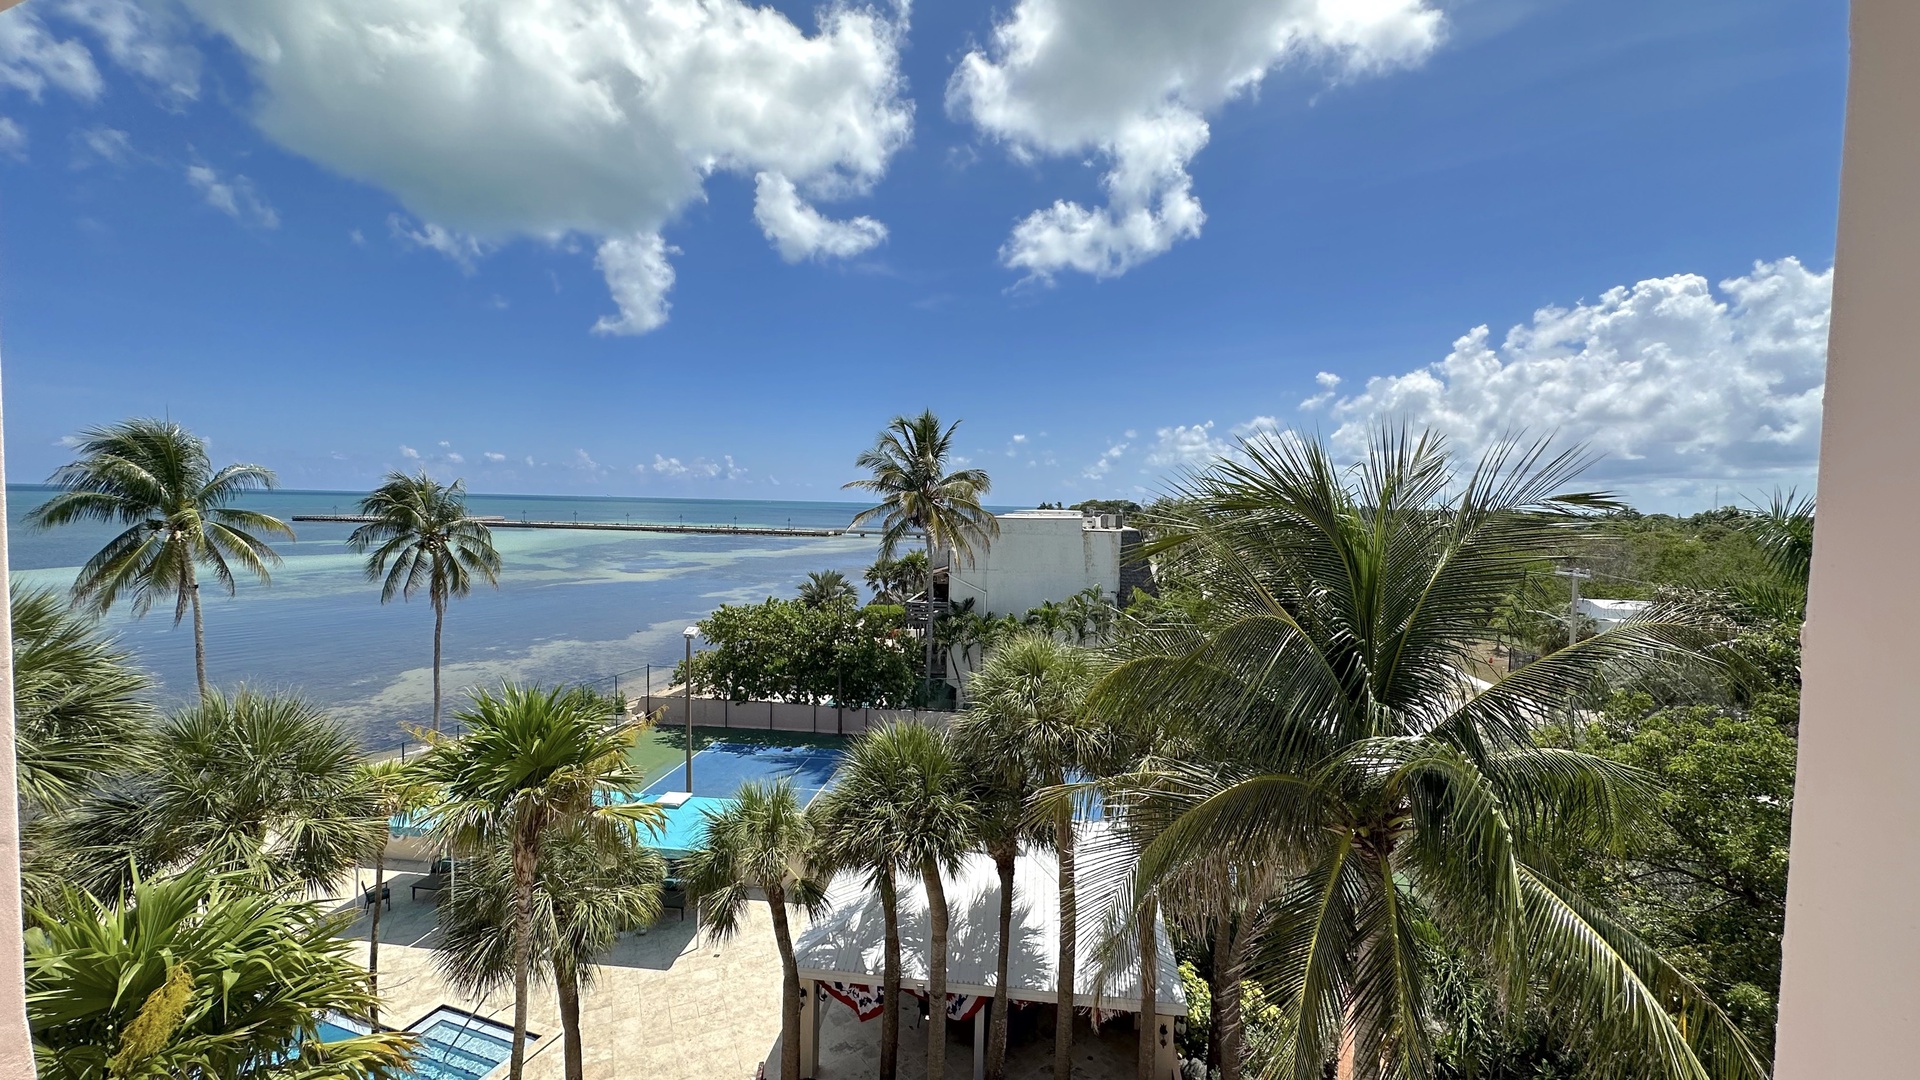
x=664, y=1005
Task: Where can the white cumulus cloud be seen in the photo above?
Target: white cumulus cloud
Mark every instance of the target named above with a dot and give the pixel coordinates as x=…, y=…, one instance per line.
x=463, y=251
x=1678, y=387
x=638, y=275
x=13, y=138
x=1131, y=83
x=604, y=118
x=493, y=458
x=32, y=58
x=409, y=452
x=799, y=231
x=233, y=196
x=142, y=40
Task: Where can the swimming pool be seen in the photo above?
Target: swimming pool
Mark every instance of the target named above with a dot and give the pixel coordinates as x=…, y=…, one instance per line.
x=454, y=1045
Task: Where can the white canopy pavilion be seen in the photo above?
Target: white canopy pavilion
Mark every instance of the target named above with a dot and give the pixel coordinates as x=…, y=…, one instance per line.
x=844, y=948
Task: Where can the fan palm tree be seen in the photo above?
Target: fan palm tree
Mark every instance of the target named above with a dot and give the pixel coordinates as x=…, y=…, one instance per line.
x=80, y=704
x=824, y=587
x=154, y=477
x=1029, y=727
x=397, y=790
x=1349, y=747
x=422, y=537
x=533, y=762
x=247, y=781
x=908, y=466
x=199, y=976
x=762, y=841
x=902, y=800
x=587, y=890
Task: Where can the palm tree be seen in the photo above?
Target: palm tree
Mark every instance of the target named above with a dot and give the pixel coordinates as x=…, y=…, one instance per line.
x=1030, y=726
x=249, y=781
x=154, y=477
x=421, y=535
x=1325, y=672
x=587, y=892
x=909, y=465
x=761, y=841
x=902, y=800
x=80, y=703
x=892, y=580
x=199, y=976
x=533, y=762
x=397, y=790
x=824, y=587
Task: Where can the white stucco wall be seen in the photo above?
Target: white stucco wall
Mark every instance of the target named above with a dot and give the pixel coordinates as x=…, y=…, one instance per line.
x=1040, y=555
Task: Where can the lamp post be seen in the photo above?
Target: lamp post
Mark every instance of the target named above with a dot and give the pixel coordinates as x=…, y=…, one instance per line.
x=689, y=633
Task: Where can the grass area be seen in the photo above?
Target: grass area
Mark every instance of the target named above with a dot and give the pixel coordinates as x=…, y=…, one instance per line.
x=664, y=749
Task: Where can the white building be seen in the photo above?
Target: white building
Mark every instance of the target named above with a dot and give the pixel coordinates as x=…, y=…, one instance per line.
x=1040, y=555
x=1607, y=614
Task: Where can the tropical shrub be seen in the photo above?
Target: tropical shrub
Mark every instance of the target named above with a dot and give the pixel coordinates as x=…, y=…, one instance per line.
x=786, y=650
x=197, y=977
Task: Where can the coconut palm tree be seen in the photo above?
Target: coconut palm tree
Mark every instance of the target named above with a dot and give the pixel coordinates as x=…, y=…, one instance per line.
x=1326, y=672
x=248, y=781
x=902, y=801
x=397, y=790
x=824, y=587
x=80, y=704
x=908, y=466
x=587, y=890
x=198, y=976
x=762, y=842
x=154, y=478
x=1030, y=729
x=892, y=580
x=421, y=537
x=533, y=762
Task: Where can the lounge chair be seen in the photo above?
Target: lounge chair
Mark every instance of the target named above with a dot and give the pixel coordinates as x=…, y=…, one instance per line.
x=367, y=899
x=436, y=879
x=673, y=897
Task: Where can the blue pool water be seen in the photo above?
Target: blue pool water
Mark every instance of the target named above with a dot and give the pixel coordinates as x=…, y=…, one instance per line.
x=453, y=1045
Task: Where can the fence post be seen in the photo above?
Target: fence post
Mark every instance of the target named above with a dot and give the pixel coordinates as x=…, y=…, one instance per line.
x=649, y=689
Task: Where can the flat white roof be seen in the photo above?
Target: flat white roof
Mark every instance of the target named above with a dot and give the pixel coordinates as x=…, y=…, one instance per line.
x=847, y=943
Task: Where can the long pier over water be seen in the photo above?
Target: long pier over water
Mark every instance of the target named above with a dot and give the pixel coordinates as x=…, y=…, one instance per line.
x=626, y=526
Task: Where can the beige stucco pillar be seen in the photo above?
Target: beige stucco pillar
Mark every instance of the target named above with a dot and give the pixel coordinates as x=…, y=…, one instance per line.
x=1850, y=997
x=16, y=1052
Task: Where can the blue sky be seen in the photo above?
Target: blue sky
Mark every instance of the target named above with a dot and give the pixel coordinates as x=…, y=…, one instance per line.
x=1108, y=239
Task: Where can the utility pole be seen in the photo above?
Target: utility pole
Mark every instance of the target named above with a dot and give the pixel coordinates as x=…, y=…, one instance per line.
x=1574, y=576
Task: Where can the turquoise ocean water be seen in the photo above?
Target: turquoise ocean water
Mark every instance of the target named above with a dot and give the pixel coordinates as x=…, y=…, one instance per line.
x=571, y=606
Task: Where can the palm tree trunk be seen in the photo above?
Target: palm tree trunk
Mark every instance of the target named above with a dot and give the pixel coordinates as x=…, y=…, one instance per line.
x=789, y=987
x=1003, y=861
x=1148, y=1017
x=936, y=972
x=566, y=983
x=1228, y=1004
x=1069, y=929
x=199, y=632
x=927, y=671
x=524, y=858
x=439, y=619
x=890, y=979
x=373, y=936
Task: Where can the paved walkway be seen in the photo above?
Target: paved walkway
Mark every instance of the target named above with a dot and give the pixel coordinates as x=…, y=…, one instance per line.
x=664, y=1005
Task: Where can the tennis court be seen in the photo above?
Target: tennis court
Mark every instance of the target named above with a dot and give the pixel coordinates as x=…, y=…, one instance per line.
x=719, y=768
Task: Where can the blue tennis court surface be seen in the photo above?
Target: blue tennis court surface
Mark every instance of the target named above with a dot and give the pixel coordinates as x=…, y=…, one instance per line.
x=720, y=769
x=718, y=772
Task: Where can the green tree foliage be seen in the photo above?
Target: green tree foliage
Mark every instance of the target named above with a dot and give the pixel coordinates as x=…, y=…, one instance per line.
x=824, y=587
x=421, y=537
x=1708, y=885
x=1123, y=508
x=896, y=580
x=80, y=704
x=907, y=469
x=249, y=780
x=534, y=762
x=587, y=890
x=1326, y=685
x=760, y=844
x=197, y=977
x=154, y=477
x=786, y=650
